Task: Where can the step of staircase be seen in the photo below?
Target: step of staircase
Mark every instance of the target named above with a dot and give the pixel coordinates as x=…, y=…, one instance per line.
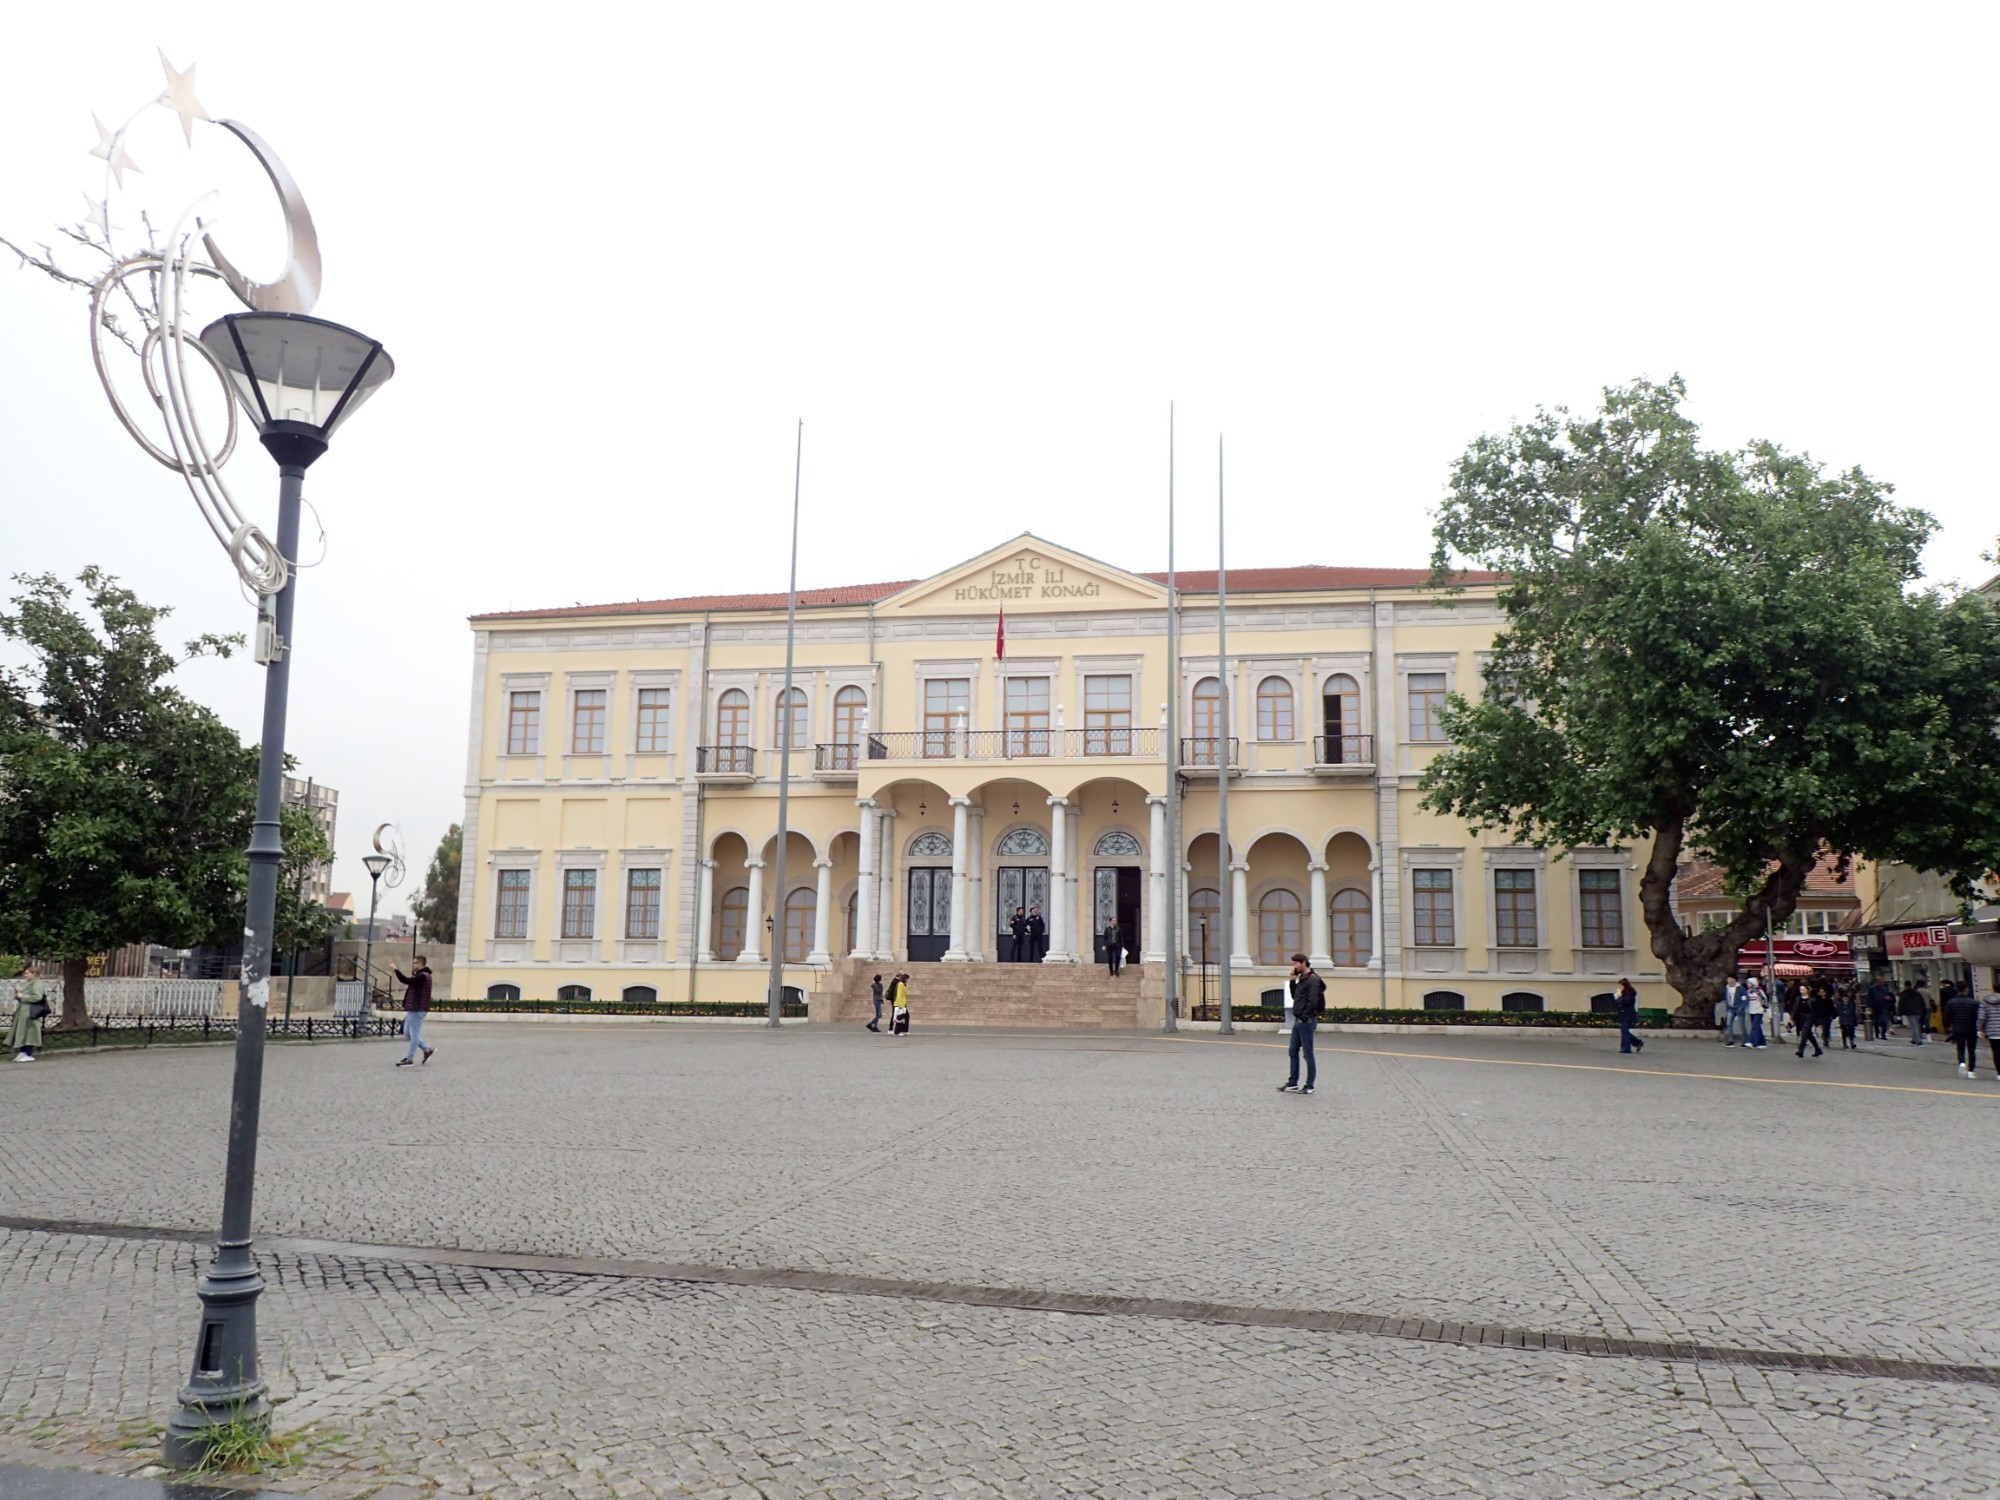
x=981, y=994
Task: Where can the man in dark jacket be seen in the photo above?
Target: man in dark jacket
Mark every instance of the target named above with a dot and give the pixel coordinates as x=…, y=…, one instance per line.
x=1018, y=925
x=1114, y=947
x=1961, y=1024
x=1881, y=1006
x=1628, y=1017
x=1038, y=935
x=1308, y=1005
x=1822, y=1010
x=416, y=1006
x=1910, y=1005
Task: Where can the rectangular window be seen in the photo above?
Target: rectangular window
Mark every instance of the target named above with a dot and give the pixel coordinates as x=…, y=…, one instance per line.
x=1027, y=716
x=1431, y=908
x=947, y=712
x=1426, y=708
x=579, y=913
x=510, y=917
x=1514, y=908
x=586, y=727
x=1603, y=909
x=524, y=723
x=652, y=710
x=642, y=904
x=1107, y=715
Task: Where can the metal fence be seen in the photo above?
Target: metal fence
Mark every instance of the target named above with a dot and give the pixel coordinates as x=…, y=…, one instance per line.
x=158, y=1000
x=146, y=1030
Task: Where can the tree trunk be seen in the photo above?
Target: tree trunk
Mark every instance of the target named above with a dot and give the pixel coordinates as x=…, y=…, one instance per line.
x=75, y=1013
x=1698, y=966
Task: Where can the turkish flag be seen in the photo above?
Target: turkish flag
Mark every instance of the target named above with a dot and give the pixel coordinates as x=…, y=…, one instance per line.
x=1000, y=639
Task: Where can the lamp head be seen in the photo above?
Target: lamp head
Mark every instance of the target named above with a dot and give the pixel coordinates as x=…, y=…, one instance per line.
x=375, y=864
x=297, y=378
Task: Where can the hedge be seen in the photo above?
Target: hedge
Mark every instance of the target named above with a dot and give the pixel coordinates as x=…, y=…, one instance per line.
x=1578, y=1020
x=618, y=1007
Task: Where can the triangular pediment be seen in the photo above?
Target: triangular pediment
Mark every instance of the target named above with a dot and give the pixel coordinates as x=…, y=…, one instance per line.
x=1027, y=576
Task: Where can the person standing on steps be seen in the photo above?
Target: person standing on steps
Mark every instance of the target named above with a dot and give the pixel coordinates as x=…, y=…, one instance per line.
x=1114, y=948
x=1018, y=925
x=31, y=1008
x=1628, y=1017
x=1038, y=935
x=416, y=1006
x=875, y=989
x=1308, y=1005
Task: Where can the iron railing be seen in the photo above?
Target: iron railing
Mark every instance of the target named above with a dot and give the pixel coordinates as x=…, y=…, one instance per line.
x=1343, y=749
x=725, y=760
x=1122, y=741
x=146, y=1030
x=1209, y=753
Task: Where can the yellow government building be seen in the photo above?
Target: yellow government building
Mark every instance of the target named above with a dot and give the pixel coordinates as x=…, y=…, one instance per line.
x=621, y=799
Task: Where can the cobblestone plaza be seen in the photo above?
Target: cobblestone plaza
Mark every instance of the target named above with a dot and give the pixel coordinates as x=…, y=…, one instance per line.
x=667, y=1260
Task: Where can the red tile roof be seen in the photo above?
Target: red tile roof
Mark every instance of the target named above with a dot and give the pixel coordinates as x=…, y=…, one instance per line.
x=1301, y=579
x=1698, y=880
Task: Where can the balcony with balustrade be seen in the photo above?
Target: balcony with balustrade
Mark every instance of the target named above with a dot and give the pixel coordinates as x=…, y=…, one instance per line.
x=725, y=764
x=1341, y=755
x=1120, y=742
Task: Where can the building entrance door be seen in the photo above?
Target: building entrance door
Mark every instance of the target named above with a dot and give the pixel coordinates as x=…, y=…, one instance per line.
x=929, y=914
x=1117, y=891
x=1023, y=886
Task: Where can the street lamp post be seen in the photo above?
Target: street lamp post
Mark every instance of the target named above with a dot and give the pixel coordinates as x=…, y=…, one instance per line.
x=298, y=378
x=375, y=864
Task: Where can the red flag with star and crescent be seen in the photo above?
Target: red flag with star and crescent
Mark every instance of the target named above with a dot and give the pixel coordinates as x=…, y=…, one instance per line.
x=1000, y=639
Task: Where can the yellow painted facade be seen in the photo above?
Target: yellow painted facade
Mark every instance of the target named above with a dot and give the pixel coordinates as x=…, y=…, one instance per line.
x=622, y=793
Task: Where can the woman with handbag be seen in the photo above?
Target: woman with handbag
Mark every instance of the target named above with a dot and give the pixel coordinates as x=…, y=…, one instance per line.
x=31, y=1008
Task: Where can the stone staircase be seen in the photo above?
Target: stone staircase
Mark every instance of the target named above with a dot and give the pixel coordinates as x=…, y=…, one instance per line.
x=984, y=994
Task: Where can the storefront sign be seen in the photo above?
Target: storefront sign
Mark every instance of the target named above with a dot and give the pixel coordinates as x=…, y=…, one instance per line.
x=1832, y=952
x=1922, y=942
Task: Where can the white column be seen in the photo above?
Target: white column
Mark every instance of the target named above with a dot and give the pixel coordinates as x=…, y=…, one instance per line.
x=1060, y=913
x=885, y=922
x=975, y=889
x=961, y=820
x=864, y=893
x=1319, y=949
x=822, y=915
x=1156, y=886
x=1081, y=917
x=1189, y=937
x=704, y=914
x=753, y=917
x=1375, y=959
x=1239, y=887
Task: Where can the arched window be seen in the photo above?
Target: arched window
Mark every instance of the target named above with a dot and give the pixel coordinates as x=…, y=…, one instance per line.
x=735, y=908
x=571, y=994
x=1353, y=936
x=503, y=992
x=1274, y=710
x=1024, y=841
x=850, y=715
x=1522, y=1000
x=799, y=909
x=640, y=994
x=930, y=845
x=1204, y=925
x=1278, y=934
x=732, y=718
x=797, y=733
x=1340, y=721
x=1206, y=724
x=1443, y=1000
x=1117, y=844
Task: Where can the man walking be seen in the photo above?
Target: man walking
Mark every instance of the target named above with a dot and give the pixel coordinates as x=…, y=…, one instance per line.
x=1308, y=1005
x=1911, y=1006
x=1822, y=1011
x=1881, y=1004
x=875, y=989
x=416, y=1006
x=1038, y=935
x=1628, y=1017
x=1018, y=925
x=1736, y=995
x=1802, y=1018
x=1114, y=948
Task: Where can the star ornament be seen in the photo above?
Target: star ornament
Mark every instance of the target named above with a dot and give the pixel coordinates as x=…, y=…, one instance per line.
x=180, y=98
x=99, y=217
x=110, y=147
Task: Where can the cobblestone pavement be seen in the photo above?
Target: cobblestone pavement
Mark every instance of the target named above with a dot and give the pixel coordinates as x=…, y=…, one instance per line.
x=1693, y=1194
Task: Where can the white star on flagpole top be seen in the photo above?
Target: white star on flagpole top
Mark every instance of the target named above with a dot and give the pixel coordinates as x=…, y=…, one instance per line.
x=180, y=98
x=110, y=147
x=99, y=217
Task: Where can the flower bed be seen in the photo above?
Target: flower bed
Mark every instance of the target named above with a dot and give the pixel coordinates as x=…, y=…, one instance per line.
x=792, y=1009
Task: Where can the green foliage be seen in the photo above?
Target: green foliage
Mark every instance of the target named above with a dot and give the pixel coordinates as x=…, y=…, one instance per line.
x=302, y=924
x=437, y=905
x=127, y=804
x=1723, y=653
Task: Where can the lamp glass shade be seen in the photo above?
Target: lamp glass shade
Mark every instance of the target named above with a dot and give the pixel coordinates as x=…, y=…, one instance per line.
x=375, y=864
x=285, y=367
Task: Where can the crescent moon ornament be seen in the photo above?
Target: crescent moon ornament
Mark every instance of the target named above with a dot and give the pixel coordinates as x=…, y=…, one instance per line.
x=298, y=289
x=394, y=850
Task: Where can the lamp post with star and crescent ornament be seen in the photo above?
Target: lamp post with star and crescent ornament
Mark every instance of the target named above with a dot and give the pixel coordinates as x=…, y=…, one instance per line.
x=297, y=379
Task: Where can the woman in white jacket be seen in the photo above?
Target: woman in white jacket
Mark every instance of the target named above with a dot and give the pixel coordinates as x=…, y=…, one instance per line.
x=1757, y=1007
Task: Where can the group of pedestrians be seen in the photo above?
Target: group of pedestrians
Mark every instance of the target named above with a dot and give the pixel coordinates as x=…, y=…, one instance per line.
x=898, y=998
x=1809, y=1009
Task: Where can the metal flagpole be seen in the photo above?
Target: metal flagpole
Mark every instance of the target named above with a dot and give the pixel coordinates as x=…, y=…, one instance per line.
x=777, y=896
x=1227, y=890
x=1173, y=851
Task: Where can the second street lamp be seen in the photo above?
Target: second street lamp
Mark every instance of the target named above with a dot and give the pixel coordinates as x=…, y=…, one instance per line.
x=298, y=379
x=375, y=864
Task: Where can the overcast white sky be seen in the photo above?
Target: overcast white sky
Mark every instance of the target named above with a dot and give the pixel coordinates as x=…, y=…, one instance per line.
x=618, y=250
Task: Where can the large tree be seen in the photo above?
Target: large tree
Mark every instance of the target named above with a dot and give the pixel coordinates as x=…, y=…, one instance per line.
x=124, y=805
x=1726, y=654
x=437, y=905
